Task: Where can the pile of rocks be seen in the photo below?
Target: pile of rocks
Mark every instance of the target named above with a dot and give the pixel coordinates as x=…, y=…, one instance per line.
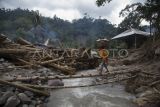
x=5, y=65
x=13, y=97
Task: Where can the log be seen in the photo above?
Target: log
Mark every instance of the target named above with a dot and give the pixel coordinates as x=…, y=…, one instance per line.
x=30, y=48
x=154, y=83
x=71, y=76
x=23, y=41
x=27, y=63
x=64, y=69
x=12, y=51
x=24, y=66
x=24, y=88
x=50, y=61
x=76, y=86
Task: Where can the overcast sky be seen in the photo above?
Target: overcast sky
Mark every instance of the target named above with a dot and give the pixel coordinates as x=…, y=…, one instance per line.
x=72, y=9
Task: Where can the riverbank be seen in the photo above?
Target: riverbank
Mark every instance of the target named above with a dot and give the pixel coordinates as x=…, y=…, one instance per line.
x=145, y=86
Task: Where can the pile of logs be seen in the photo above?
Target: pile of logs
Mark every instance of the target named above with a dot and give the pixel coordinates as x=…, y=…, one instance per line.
x=27, y=55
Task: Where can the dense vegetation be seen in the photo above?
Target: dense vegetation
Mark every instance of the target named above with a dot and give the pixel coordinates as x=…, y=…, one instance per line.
x=80, y=32
x=36, y=28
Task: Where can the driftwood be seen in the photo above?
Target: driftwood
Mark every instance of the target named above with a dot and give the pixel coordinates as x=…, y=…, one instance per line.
x=64, y=69
x=23, y=42
x=72, y=76
x=87, y=85
x=50, y=61
x=12, y=51
x=30, y=55
x=154, y=83
x=27, y=63
x=30, y=48
x=24, y=87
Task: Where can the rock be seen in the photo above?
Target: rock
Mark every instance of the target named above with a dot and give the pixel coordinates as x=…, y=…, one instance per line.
x=51, y=74
x=39, y=102
x=157, y=51
x=42, y=98
x=11, y=89
x=31, y=105
x=151, y=105
x=13, y=101
x=140, y=101
x=1, y=59
x=46, y=100
x=29, y=94
x=5, y=96
x=40, y=105
x=55, y=82
x=32, y=71
x=141, y=89
x=16, y=92
x=24, y=98
x=25, y=105
x=1, y=94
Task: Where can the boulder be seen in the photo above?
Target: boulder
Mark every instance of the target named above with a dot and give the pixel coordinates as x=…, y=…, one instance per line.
x=5, y=96
x=12, y=101
x=1, y=94
x=24, y=98
x=25, y=105
x=29, y=94
x=31, y=105
x=55, y=82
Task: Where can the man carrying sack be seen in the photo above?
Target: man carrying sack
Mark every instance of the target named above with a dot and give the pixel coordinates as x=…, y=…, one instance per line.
x=103, y=53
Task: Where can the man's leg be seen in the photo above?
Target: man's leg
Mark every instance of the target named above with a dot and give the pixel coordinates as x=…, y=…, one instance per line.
x=101, y=68
x=105, y=66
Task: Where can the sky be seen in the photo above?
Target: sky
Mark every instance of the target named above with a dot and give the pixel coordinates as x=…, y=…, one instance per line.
x=72, y=9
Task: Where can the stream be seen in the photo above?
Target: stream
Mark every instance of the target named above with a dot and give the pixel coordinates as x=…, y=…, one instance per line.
x=110, y=95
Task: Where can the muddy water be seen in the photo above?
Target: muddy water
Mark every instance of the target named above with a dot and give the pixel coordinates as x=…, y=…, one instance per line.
x=97, y=96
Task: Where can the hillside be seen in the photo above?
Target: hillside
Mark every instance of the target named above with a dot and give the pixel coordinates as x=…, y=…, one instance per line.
x=36, y=28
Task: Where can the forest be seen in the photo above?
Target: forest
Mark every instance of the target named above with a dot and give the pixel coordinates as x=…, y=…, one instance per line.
x=34, y=27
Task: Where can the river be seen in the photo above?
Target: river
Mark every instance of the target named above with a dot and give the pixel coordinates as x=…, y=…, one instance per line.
x=110, y=95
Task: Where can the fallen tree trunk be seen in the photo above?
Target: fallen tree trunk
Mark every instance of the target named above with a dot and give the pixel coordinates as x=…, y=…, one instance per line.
x=64, y=69
x=50, y=61
x=27, y=63
x=23, y=42
x=24, y=88
x=71, y=76
x=12, y=51
x=86, y=85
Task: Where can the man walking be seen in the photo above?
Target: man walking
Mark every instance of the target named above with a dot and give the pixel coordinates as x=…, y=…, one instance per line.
x=103, y=53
